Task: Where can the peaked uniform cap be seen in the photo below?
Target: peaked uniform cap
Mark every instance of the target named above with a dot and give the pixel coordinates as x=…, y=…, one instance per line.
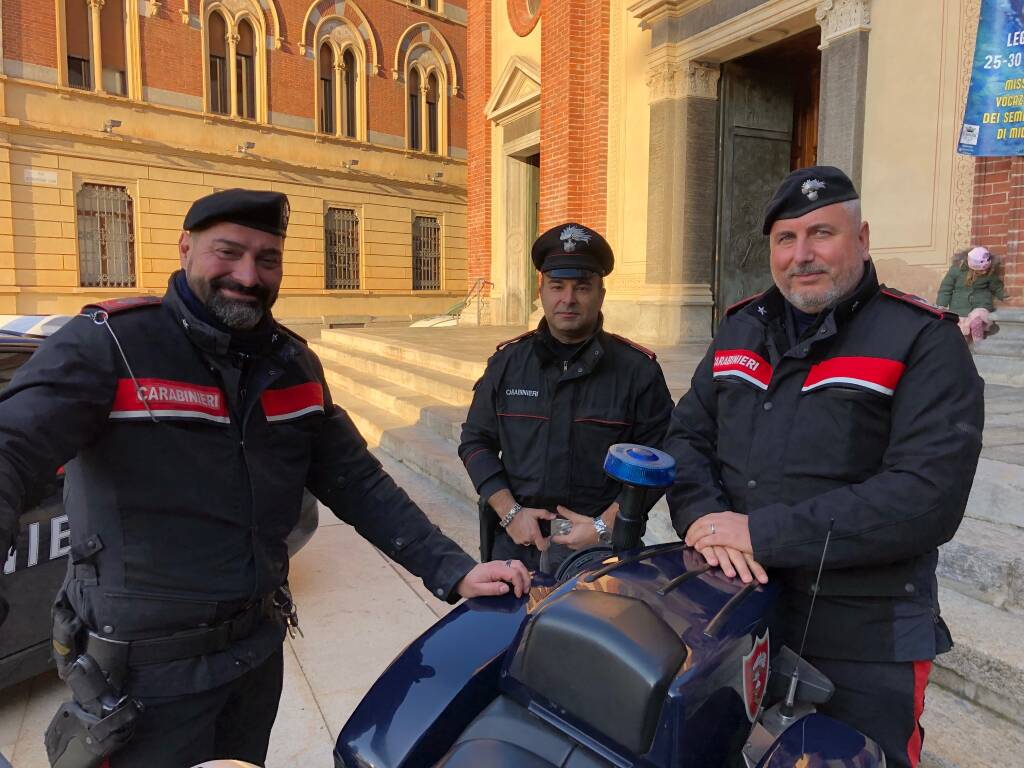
x=806, y=190
x=572, y=250
x=257, y=209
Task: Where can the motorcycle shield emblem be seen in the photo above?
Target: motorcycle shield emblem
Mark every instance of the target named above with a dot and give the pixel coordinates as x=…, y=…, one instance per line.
x=755, y=675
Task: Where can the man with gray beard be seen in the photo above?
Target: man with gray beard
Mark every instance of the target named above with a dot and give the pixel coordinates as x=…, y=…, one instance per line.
x=832, y=407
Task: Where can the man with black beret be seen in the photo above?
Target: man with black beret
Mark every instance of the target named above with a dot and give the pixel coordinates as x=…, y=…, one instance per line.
x=189, y=427
x=549, y=405
x=830, y=408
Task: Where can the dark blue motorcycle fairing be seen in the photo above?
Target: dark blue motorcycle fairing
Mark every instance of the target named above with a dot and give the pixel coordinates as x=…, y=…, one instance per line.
x=434, y=688
x=818, y=741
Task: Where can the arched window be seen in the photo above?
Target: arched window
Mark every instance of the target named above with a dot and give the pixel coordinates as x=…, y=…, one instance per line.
x=415, y=129
x=218, y=40
x=98, y=46
x=115, y=76
x=326, y=88
x=433, y=115
x=245, y=71
x=349, y=68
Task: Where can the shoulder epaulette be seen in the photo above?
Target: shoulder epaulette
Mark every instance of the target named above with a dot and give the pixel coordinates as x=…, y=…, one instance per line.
x=742, y=303
x=115, y=306
x=630, y=343
x=917, y=301
x=513, y=340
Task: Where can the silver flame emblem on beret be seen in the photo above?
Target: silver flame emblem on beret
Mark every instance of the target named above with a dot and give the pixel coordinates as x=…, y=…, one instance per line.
x=811, y=187
x=571, y=236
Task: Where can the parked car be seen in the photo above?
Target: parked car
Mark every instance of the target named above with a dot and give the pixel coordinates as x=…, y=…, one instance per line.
x=34, y=573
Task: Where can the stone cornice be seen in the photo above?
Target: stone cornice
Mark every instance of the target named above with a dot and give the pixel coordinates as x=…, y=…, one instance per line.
x=841, y=17
x=652, y=11
x=670, y=78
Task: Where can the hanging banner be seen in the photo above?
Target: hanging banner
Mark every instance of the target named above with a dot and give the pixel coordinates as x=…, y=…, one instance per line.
x=994, y=119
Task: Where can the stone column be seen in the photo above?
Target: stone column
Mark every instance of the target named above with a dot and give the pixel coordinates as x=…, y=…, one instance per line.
x=682, y=189
x=845, y=25
x=340, y=102
x=232, y=41
x=95, y=10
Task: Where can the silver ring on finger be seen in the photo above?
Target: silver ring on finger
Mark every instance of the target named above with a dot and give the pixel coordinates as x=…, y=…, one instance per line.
x=712, y=529
x=508, y=563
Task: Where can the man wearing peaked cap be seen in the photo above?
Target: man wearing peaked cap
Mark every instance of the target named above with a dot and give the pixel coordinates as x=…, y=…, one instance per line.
x=832, y=409
x=549, y=405
x=189, y=427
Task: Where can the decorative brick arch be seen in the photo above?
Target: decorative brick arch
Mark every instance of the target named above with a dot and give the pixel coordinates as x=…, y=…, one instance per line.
x=424, y=35
x=271, y=20
x=354, y=17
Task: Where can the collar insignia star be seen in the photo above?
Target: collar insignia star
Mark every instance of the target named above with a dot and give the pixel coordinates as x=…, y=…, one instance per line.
x=762, y=311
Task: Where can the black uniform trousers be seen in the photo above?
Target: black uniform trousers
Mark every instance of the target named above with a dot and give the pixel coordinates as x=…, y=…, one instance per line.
x=883, y=700
x=231, y=722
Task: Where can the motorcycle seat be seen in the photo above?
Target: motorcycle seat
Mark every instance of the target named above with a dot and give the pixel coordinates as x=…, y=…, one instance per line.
x=506, y=735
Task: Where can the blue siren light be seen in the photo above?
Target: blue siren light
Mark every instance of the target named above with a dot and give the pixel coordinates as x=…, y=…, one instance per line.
x=640, y=465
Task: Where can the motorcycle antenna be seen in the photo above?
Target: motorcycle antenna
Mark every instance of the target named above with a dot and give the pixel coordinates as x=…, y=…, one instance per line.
x=787, y=706
x=817, y=585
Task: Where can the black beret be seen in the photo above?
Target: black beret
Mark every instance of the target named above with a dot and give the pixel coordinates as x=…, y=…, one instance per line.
x=265, y=211
x=571, y=249
x=806, y=190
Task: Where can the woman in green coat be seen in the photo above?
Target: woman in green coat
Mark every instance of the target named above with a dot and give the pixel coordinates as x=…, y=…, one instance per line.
x=970, y=289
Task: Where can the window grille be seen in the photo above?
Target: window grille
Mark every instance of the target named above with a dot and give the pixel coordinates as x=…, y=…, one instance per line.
x=341, y=249
x=106, y=237
x=426, y=254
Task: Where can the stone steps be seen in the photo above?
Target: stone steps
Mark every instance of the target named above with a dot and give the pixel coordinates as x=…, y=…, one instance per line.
x=411, y=355
x=441, y=418
x=986, y=665
x=1000, y=358
x=446, y=387
x=985, y=561
x=960, y=734
x=411, y=443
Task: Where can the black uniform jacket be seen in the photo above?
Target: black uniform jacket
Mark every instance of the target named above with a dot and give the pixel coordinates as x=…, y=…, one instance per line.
x=872, y=420
x=179, y=513
x=541, y=426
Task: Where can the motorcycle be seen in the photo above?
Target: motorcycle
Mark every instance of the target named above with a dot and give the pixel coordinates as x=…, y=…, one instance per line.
x=628, y=656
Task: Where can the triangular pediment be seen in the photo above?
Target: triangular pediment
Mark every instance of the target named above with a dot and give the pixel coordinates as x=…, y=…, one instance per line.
x=517, y=91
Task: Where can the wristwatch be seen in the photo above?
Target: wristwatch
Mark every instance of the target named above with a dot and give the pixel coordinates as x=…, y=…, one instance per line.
x=516, y=509
x=603, y=534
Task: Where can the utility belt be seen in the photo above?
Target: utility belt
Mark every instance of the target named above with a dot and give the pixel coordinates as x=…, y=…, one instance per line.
x=100, y=719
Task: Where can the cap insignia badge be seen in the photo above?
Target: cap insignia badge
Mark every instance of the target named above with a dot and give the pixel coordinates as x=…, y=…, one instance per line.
x=572, y=236
x=811, y=187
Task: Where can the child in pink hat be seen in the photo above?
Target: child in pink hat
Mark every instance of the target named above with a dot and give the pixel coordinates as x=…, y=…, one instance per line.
x=969, y=289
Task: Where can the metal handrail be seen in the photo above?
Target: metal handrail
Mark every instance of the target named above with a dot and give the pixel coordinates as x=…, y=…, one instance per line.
x=475, y=291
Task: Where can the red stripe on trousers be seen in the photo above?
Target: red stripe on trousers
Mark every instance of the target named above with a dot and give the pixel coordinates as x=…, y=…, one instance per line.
x=921, y=671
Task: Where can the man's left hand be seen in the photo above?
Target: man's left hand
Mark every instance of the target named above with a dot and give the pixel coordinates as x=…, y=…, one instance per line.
x=720, y=529
x=583, y=533
x=495, y=578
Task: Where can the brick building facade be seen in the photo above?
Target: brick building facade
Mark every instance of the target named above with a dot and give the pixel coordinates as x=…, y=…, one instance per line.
x=355, y=108
x=667, y=123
